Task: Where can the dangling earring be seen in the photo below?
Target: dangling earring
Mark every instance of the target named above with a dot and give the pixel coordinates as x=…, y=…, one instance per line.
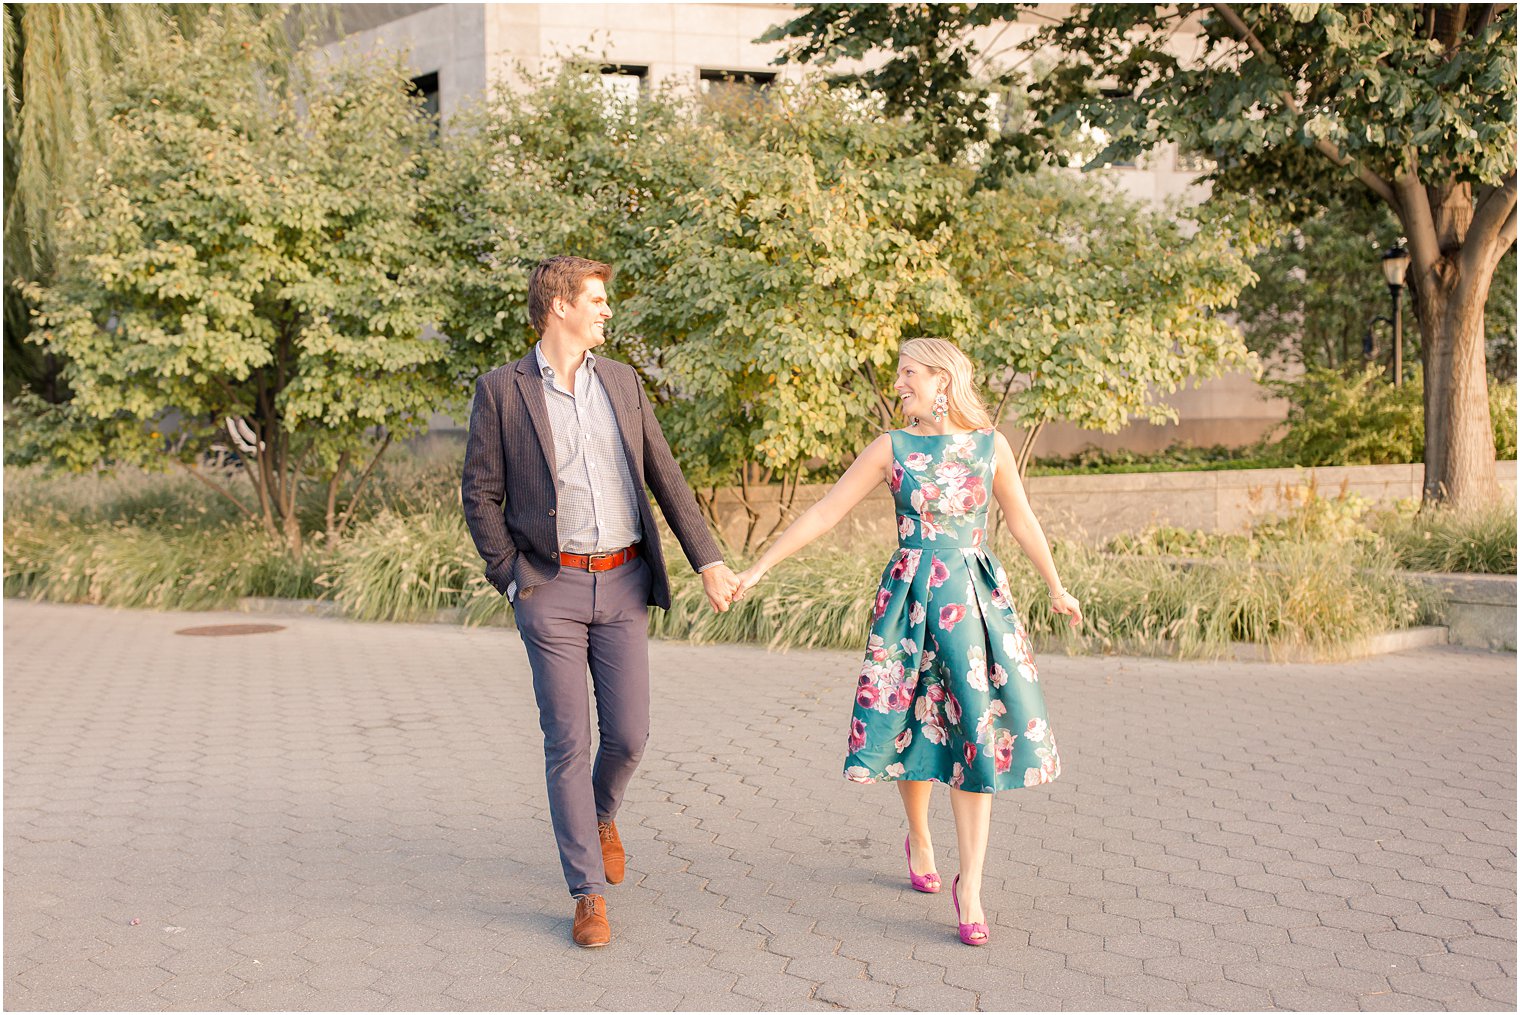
x=941, y=406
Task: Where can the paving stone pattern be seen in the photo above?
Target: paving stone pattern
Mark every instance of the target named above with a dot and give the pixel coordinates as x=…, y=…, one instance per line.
x=349, y=816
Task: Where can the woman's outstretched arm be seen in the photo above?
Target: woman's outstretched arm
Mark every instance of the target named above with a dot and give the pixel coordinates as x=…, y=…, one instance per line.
x=1026, y=530
x=871, y=468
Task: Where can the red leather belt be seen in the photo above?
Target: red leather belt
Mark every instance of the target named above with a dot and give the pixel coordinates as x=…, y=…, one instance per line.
x=599, y=561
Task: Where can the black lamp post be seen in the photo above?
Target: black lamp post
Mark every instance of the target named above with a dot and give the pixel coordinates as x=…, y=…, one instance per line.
x=1395, y=264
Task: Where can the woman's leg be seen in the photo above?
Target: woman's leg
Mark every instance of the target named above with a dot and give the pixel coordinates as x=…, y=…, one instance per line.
x=915, y=798
x=973, y=824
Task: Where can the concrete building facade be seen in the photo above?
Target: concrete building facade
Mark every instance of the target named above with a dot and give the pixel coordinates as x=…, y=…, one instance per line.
x=458, y=51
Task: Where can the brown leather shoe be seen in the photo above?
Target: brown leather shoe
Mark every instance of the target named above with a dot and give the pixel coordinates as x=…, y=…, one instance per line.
x=614, y=859
x=590, y=929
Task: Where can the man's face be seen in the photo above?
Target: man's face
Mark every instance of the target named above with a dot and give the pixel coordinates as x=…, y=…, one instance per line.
x=585, y=320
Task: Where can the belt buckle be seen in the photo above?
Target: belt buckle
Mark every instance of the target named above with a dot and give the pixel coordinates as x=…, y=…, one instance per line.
x=592, y=558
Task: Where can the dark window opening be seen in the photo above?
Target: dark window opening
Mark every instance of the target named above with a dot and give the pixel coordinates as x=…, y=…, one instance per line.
x=734, y=90
x=426, y=85
x=625, y=81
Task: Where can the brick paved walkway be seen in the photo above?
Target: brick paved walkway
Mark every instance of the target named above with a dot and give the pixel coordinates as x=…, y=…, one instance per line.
x=342, y=816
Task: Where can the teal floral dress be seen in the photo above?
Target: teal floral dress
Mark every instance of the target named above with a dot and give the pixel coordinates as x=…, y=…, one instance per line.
x=949, y=690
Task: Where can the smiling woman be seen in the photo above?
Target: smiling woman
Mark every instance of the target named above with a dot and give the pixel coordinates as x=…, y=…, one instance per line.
x=948, y=691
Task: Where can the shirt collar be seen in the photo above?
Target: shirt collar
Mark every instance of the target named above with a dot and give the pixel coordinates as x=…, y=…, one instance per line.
x=543, y=364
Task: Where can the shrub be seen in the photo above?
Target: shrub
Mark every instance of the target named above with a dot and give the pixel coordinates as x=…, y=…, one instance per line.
x=1322, y=597
x=1361, y=419
x=1176, y=458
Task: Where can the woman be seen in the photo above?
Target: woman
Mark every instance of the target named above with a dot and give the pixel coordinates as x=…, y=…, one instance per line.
x=948, y=692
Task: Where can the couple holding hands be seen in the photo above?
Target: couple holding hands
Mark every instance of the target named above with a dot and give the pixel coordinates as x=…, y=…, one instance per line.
x=562, y=447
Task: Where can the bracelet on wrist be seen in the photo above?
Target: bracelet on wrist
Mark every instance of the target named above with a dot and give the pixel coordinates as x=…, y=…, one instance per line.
x=1058, y=595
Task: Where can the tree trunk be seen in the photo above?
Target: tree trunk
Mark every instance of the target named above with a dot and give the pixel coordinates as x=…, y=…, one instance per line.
x=1467, y=477
x=1449, y=277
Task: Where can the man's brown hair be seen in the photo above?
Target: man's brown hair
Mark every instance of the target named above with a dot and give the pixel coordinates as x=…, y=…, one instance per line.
x=562, y=276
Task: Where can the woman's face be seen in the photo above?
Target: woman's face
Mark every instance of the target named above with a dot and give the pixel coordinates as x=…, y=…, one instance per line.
x=916, y=386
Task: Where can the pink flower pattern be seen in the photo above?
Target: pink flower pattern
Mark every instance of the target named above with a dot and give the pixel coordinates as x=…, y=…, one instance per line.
x=935, y=697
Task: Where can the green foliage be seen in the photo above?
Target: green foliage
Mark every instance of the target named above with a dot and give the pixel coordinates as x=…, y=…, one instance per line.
x=551, y=167
x=1501, y=410
x=1481, y=541
x=786, y=282
x=58, y=58
x=250, y=247
x=935, y=73
x=1092, y=307
x=184, y=566
x=137, y=540
x=1287, y=599
x=1362, y=419
x=1176, y=458
x=1335, y=419
x=1320, y=287
x=1377, y=84
x=1293, y=104
x=406, y=566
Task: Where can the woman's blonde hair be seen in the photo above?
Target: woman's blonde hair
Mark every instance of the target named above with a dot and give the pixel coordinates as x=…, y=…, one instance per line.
x=967, y=411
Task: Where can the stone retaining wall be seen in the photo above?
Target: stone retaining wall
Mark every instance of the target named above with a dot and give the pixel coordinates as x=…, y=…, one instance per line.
x=1480, y=608
x=1098, y=507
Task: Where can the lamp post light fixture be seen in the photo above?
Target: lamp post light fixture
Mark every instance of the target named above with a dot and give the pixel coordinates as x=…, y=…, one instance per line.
x=1395, y=265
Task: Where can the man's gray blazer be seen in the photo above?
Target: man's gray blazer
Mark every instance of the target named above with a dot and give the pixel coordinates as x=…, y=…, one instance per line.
x=509, y=478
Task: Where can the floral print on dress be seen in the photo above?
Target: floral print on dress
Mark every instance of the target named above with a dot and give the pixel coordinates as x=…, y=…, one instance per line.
x=948, y=690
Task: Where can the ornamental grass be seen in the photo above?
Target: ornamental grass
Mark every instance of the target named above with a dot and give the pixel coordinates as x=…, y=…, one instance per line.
x=167, y=543
x=1480, y=541
x=1320, y=598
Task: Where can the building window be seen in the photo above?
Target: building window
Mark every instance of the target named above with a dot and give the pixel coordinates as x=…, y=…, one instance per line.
x=426, y=85
x=624, y=82
x=739, y=87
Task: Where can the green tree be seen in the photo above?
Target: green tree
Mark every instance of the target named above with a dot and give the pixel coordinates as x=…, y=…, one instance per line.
x=1416, y=103
x=56, y=57
x=247, y=266
x=782, y=285
x=1093, y=306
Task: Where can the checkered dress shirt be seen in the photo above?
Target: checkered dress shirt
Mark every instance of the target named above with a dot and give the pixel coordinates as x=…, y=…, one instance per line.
x=598, y=505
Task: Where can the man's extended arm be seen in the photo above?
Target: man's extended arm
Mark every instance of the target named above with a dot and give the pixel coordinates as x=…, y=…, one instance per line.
x=681, y=511
x=483, y=489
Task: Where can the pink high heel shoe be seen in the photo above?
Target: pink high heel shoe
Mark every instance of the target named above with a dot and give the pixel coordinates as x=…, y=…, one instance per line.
x=921, y=882
x=969, y=931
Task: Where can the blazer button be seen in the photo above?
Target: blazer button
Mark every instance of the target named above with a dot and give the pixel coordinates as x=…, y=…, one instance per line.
x=551, y=512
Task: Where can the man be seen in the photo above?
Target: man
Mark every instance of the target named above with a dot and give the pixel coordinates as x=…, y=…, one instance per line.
x=561, y=446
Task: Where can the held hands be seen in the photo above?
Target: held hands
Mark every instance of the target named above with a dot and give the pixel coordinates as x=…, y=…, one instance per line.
x=748, y=579
x=719, y=583
x=1067, y=604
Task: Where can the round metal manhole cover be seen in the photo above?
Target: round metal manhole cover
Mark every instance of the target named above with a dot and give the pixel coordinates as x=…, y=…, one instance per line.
x=227, y=630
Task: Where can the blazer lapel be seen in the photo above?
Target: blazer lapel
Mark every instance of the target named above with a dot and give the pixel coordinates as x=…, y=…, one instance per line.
x=531, y=384
x=625, y=408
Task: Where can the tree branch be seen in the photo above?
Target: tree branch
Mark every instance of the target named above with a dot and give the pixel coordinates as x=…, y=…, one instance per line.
x=359, y=486
x=1496, y=206
x=1506, y=236
x=1325, y=146
x=1419, y=226
x=218, y=488
x=1484, y=19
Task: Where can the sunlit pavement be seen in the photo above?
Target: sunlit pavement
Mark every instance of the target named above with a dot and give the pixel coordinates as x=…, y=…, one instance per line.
x=352, y=816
